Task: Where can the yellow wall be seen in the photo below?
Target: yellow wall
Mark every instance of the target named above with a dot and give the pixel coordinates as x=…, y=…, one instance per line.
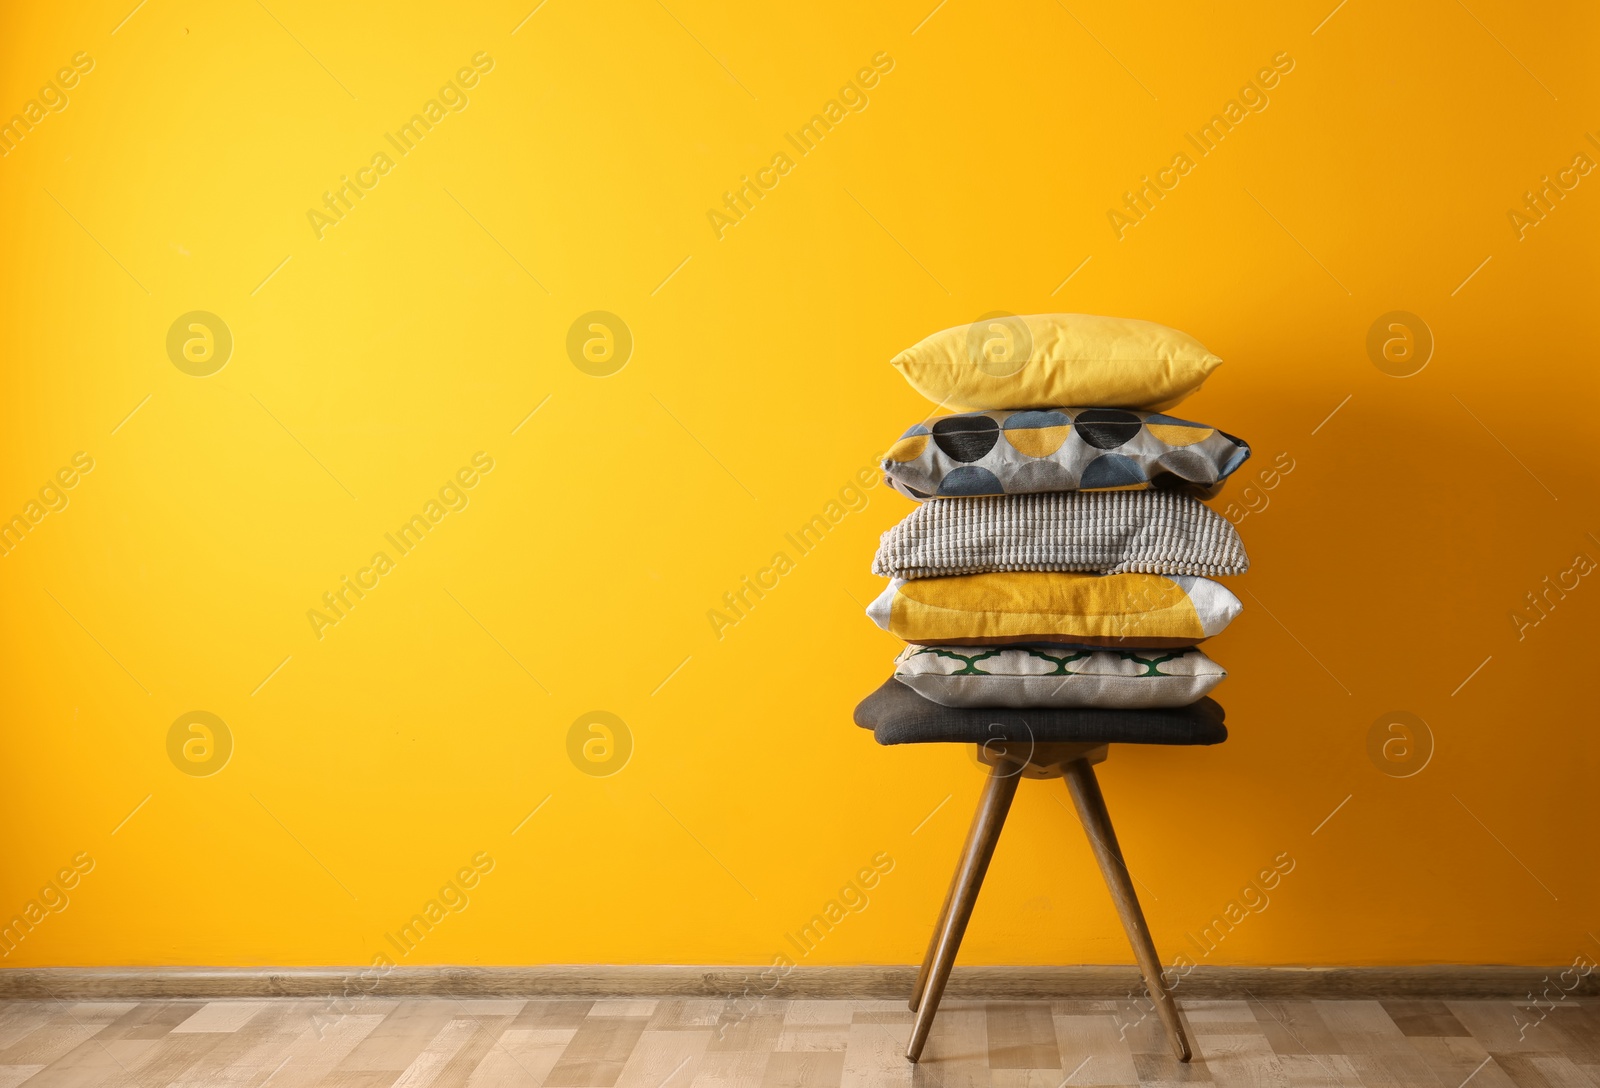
x=420, y=731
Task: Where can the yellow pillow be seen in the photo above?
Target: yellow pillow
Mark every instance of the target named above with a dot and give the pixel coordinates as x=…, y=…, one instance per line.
x=1117, y=610
x=1056, y=360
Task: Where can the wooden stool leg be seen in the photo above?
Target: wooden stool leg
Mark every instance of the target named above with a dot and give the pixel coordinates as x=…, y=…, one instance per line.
x=938, y=926
x=1091, y=805
x=921, y=984
x=998, y=790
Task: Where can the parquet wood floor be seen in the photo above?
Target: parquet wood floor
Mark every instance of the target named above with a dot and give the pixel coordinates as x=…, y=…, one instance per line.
x=679, y=1043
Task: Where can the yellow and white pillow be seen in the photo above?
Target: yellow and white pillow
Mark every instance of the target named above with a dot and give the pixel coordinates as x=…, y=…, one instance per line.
x=1051, y=359
x=1122, y=611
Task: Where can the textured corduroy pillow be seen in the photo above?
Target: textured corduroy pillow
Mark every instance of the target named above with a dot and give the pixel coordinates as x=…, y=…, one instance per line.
x=1056, y=676
x=1060, y=449
x=1149, y=532
x=1023, y=362
x=1121, y=611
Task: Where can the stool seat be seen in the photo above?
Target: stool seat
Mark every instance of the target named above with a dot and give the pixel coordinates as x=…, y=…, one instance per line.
x=898, y=715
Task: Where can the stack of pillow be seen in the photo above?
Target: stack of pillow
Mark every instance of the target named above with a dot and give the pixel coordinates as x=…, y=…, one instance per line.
x=1060, y=556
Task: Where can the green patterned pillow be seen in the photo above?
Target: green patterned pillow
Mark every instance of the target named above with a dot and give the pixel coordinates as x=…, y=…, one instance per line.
x=1063, y=676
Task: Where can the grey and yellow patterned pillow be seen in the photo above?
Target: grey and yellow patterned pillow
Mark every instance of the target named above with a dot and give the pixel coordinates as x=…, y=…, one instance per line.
x=1059, y=676
x=1060, y=449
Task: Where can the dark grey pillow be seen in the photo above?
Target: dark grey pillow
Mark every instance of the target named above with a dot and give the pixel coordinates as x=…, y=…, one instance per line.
x=898, y=715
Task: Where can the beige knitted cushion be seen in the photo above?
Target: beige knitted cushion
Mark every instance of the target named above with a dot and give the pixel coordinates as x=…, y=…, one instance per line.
x=1113, y=532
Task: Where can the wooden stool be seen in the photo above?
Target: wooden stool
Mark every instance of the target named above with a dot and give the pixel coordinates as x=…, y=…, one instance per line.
x=1035, y=743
